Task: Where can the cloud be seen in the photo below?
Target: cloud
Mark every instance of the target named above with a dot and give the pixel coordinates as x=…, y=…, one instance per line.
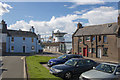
x=80, y=12
x=65, y=5
x=85, y=2
x=64, y=23
x=101, y=15
x=29, y=16
x=4, y=8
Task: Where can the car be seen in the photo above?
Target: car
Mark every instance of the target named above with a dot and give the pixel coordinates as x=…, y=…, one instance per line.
x=73, y=67
x=104, y=71
x=62, y=59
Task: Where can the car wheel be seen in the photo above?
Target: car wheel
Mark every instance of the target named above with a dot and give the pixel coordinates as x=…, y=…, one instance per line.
x=68, y=75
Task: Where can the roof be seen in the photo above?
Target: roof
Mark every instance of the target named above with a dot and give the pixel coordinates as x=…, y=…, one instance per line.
x=19, y=33
x=110, y=28
x=51, y=44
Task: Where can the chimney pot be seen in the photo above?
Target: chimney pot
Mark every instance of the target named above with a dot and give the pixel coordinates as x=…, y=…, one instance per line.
x=79, y=25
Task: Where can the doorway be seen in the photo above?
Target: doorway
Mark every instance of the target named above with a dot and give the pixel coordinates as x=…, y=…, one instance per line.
x=85, y=52
x=23, y=49
x=99, y=53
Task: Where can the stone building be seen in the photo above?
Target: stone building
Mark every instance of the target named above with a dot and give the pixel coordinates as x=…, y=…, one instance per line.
x=100, y=42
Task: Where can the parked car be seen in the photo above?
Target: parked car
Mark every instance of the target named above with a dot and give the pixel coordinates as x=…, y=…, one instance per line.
x=74, y=66
x=104, y=71
x=62, y=59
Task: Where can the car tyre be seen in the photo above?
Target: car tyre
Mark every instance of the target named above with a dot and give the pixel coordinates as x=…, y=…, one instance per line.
x=68, y=75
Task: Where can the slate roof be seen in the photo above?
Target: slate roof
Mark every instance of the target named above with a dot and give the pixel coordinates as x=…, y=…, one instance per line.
x=51, y=44
x=19, y=33
x=103, y=29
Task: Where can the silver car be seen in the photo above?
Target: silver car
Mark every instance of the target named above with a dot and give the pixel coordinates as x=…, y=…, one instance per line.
x=104, y=71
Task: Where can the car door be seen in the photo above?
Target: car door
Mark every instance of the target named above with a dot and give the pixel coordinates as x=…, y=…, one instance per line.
x=118, y=75
x=88, y=64
x=79, y=68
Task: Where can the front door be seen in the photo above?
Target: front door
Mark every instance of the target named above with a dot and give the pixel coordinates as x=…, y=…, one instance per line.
x=23, y=49
x=99, y=53
x=85, y=52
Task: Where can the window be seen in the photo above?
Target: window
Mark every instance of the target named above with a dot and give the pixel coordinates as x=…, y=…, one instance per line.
x=93, y=38
x=105, y=39
x=118, y=69
x=99, y=38
x=80, y=49
x=32, y=47
x=23, y=38
x=87, y=38
x=105, y=50
x=12, y=48
x=32, y=39
x=89, y=50
x=93, y=50
x=80, y=40
x=39, y=41
x=12, y=39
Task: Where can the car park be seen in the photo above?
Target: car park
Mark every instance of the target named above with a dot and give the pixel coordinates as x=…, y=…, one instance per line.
x=74, y=66
x=62, y=59
x=104, y=71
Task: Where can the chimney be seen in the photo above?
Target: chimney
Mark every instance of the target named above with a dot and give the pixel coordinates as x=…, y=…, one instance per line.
x=119, y=19
x=4, y=26
x=79, y=25
x=32, y=29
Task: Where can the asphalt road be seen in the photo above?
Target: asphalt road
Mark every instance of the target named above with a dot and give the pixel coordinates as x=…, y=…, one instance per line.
x=13, y=67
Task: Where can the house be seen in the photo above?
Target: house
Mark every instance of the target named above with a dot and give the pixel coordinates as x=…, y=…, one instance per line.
x=18, y=41
x=100, y=42
x=56, y=42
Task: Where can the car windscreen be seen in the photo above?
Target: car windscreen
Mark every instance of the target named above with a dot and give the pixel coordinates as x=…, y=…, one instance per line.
x=62, y=57
x=106, y=68
x=71, y=62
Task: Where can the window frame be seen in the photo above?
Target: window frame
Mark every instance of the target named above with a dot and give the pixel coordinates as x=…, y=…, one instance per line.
x=93, y=50
x=32, y=47
x=12, y=48
x=88, y=38
x=90, y=50
x=104, y=40
x=105, y=54
x=23, y=38
x=12, y=39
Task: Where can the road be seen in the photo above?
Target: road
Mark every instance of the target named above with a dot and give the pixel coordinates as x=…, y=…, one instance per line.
x=13, y=67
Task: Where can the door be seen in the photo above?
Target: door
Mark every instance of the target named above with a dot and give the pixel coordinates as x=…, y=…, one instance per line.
x=23, y=49
x=99, y=53
x=85, y=52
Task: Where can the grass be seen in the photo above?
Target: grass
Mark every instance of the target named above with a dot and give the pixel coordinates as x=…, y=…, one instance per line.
x=38, y=72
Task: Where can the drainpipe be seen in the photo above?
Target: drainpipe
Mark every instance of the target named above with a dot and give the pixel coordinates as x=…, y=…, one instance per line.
x=96, y=47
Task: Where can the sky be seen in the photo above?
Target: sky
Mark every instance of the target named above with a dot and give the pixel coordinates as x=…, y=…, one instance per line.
x=48, y=16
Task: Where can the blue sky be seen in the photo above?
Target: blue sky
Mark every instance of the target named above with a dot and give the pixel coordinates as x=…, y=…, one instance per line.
x=48, y=16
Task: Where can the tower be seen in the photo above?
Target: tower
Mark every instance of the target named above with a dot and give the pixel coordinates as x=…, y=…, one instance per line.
x=59, y=36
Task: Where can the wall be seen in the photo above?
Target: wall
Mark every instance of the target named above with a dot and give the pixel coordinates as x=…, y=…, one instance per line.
x=19, y=43
x=113, y=46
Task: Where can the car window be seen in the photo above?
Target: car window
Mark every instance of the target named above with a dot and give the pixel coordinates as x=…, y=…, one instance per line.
x=89, y=62
x=80, y=62
x=106, y=68
x=118, y=69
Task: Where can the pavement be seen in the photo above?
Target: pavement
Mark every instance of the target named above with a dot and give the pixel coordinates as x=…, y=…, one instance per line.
x=13, y=68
